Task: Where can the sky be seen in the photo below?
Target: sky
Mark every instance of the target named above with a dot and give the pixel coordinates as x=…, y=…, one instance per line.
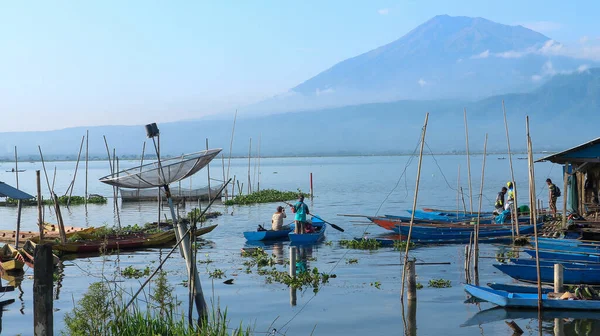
x=85, y=63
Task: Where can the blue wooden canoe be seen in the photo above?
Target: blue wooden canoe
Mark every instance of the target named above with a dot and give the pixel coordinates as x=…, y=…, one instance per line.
x=581, y=257
x=571, y=276
x=513, y=288
x=269, y=234
x=525, y=300
x=449, y=233
x=462, y=240
x=550, y=263
x=567, y=248
x=310, y=238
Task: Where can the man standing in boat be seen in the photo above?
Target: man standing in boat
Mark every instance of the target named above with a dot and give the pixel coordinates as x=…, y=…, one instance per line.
x=301, y=210
x=511, y=195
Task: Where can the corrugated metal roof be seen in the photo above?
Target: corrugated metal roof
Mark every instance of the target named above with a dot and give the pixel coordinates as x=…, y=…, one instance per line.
x=14, y=193
x=580, y=153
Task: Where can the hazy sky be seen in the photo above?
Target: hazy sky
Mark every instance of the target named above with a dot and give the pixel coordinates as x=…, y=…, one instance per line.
x=76, y=63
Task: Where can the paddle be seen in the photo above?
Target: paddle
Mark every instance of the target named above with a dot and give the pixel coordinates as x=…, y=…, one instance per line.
x=317, y=217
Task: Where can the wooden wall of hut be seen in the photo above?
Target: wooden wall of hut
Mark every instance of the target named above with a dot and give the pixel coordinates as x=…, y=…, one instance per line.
x=588, y=186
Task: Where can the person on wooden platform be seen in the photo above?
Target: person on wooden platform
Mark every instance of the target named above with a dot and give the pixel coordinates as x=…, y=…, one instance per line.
x=301, y=210
x=499, y=205
x=277, y=219
x=553, y=194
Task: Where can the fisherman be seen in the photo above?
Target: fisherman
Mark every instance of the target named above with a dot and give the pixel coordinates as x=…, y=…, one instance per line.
x=301, y=210
x=277, y=219
x=511, y=196
x=553, y=194
x=499, y=205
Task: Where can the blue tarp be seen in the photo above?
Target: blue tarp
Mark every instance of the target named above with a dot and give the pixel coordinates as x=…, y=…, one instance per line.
x=501, y=218
x=14, y=193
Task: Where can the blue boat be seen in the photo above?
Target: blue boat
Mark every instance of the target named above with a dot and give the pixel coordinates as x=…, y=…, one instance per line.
x=309, y=238
x=519, y=288
x=526, y=300
x=463, y=240
x=568, y=248
x=419, y=232
x=581, y=257
x=550, y=263
x=571, y=276
x=269, y=234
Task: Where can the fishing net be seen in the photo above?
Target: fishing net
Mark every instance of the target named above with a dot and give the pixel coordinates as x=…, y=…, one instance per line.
x=151, y=176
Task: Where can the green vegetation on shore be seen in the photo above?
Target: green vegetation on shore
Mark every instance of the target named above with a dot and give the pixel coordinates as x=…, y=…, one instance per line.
x=62, y=200
x=265, y=196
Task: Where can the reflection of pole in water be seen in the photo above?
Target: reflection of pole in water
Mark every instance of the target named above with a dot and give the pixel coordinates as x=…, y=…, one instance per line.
x=278, y=252
x=21, y=292
x=559, y=327
x=411, y=323
x=293, y=252
x=61, y=274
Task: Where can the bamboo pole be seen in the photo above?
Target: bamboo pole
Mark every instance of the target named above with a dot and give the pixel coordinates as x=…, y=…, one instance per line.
x=515, y=210
x=468, y=164
x=208, y=174
x=16, y=167
x=249, y=155
x=458, y=193
x=414, y=208
x=476, y=266
x=533, y=210
x=87, y=144
x=258, y=177
x=230, y=149
x=39, y=204
x=566, y=193
x=75, y=173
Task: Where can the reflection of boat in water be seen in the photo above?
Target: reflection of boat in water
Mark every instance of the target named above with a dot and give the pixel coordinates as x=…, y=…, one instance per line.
x=14, y=278
x=497, y=314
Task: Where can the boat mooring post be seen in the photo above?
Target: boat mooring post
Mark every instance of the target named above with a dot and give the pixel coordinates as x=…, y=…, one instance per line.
x=293, y=253
x=558, y=278
x=43, y=323
x=39, y=204
x=411, y=318
x=311, y=186
x=411, y=275
x=467, y=277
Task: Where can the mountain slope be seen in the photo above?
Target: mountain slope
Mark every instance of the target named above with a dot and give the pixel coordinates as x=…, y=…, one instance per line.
x=444, y=58
x=563, y=112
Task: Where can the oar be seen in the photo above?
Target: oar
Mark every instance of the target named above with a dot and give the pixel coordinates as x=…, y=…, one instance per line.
x=317, y=217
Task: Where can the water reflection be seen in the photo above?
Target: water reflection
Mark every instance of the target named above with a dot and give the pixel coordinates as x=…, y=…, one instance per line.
x=554, y=322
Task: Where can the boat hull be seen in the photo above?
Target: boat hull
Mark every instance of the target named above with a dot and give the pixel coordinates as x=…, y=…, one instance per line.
x=309, y=238
x=269, y=234
x=570, y=276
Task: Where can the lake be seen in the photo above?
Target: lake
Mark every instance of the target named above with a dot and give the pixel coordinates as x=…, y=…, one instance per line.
x=364, y=298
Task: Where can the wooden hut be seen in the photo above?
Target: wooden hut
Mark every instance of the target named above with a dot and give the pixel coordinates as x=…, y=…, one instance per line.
x=581, y=171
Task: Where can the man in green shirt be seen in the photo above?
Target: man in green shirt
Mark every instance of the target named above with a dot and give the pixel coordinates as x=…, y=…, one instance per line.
x=301, y=210
x=553, y=194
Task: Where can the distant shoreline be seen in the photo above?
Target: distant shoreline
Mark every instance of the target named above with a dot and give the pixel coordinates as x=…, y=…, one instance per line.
x=132, y=157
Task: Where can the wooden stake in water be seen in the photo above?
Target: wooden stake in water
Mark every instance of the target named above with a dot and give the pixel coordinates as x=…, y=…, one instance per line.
x=87, y=144
x=533, y=210
x=39, y=204
x=258, y=177
x=75, y=174
x=458, y=193
x=208, y=174
x=249, y=155
x=566, y=192
x=476, y=266
x=468, y=164
x=515, y=209
x=223, y=166
x=230, y=150
x=16, y=167
x=414, y=208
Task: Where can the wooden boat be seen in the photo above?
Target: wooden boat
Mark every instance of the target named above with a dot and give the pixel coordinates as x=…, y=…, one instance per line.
x=421, y=232
x=269, y=234
x=568, y=248
x=28, y=252
x=462, y=240
x=526, y=300
x=513, y=288
x=566, y=256
x=310, y=238
x=11, y=259
x=50, y=232
x=550, y=263
x=125, y=242
x=571, y=276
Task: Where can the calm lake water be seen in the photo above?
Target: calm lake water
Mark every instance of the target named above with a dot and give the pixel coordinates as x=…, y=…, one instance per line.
x=349, y=304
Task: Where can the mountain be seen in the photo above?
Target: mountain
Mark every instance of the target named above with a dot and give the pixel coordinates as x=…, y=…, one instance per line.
x=444, y=58
x=563, y=112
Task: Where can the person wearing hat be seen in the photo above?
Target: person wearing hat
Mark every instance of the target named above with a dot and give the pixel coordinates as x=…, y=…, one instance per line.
x=277, y=219
x=301, y=210
x=511, y=196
